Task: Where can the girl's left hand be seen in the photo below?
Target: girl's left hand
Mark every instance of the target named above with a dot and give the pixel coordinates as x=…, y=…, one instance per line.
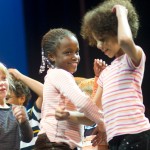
x=99, y=66
x=20, y=113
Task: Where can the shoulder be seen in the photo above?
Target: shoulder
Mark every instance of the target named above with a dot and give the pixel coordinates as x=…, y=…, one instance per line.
x=57, y=73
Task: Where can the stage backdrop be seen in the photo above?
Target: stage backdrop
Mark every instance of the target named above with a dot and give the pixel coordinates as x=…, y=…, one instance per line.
x=12, y=35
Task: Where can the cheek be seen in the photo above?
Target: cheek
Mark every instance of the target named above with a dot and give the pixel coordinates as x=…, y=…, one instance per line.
x=79, y=58
x=7, y=86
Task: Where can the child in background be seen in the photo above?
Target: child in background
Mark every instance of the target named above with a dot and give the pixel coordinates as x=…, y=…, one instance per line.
x=61, y=53
x=14, y=125
x=112, y=27
x=21, y=95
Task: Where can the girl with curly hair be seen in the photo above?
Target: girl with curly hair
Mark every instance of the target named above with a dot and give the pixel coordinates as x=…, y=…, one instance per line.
x=112, y=27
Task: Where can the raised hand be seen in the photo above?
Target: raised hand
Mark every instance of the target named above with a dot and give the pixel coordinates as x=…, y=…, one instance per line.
x=99, y=66
x=15, y=73
x=20, y=113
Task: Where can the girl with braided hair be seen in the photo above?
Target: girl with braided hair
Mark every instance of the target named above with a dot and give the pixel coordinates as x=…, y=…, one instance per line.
x=60, y=52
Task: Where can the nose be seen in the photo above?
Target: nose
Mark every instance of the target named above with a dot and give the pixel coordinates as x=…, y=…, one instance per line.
x=99, y=44
x=75, y=56
x=2, y=82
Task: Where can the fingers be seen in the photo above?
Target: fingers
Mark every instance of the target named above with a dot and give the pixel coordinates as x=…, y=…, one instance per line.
x=15, y=73
x=61, y=113
x=99, y=66
x=97, y=140
x=19, y=113
x=100, y=62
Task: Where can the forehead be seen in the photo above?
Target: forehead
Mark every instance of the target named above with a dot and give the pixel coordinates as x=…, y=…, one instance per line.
x=69, y=41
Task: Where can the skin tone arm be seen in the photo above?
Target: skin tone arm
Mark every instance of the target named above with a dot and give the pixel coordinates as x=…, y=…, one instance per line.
x=74, y=116
x=99, y=66
x=98, y=131
x=34, y=85
x=125, y=38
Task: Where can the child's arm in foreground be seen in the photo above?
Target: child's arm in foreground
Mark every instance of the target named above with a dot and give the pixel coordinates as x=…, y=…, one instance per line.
x=74, y=116
x=25, y=128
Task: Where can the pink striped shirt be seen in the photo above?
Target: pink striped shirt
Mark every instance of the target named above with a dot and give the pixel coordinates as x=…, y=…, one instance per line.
x=122, y=98
x=60, y=89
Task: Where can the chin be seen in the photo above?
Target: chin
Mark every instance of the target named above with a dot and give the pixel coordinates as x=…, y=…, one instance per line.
x=73, y=71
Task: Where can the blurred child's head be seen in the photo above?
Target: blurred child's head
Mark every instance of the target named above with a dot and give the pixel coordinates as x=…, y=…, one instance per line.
x=19, y=94
x=60, y=49
x=101, y=21
x=5, y=81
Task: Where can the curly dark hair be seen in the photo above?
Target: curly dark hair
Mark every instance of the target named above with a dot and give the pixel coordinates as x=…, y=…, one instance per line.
x=20, y=89
x=51, y=40
x=101, y=21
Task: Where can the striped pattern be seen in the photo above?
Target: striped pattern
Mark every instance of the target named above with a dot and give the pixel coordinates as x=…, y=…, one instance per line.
x=9, y=130
x=60, y=89
x=122, y=98
x=34, y=115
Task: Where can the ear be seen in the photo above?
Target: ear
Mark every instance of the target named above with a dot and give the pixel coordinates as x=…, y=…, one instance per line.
x=21, y=100
x=51, y=57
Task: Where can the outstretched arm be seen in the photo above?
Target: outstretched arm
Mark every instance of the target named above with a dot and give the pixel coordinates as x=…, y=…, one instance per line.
x=74, y=116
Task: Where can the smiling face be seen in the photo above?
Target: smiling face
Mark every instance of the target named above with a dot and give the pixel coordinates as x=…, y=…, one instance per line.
x=4, y=86
x=67, y=54
x=108, y=45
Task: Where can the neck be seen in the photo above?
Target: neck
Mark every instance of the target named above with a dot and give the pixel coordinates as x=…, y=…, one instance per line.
x=2, y=103
x=120, y=53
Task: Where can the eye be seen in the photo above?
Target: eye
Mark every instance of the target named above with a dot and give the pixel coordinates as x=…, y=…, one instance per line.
x=77, y=52
x=4, y=78
x=68, y=52
x=7, y=98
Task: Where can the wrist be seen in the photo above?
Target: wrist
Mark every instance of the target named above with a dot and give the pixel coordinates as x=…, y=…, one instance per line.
x=96, y=76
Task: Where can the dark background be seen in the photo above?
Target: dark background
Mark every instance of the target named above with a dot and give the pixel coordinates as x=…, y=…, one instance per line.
x=38, y=16
x=41, y=15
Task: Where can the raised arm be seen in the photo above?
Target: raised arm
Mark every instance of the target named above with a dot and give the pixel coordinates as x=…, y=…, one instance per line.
x=98, y=66
x=34, y=85
x=125, y=38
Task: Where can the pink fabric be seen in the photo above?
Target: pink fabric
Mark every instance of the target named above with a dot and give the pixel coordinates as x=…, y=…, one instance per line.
x=60, y=89
x=122, y=98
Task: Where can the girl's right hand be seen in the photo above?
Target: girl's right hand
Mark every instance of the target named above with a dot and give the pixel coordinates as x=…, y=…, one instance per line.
x=61, y=113
x=99, y=66
x=15, y=73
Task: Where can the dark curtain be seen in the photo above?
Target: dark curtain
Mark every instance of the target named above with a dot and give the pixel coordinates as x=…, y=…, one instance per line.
x=41, y=15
